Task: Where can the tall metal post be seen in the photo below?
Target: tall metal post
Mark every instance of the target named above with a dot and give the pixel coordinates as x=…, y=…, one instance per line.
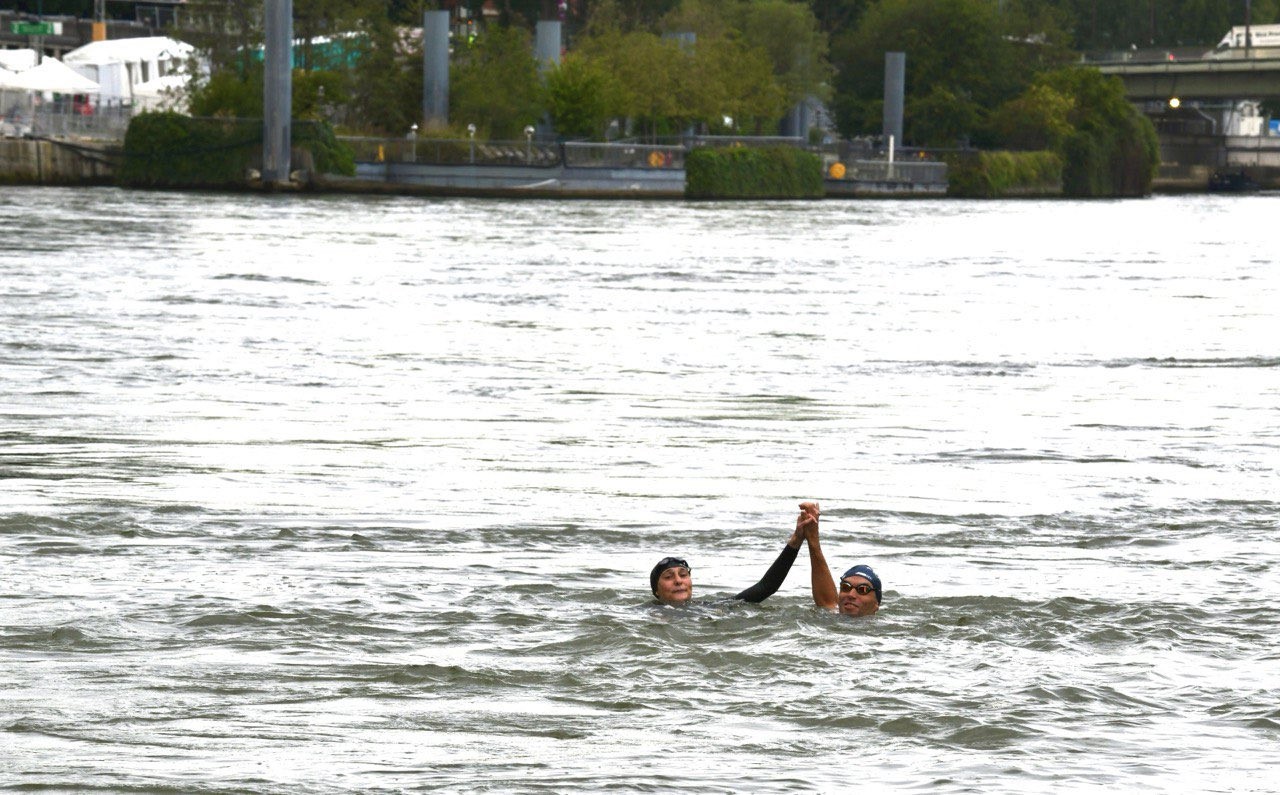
x=277, y=93
x=546, y=51
x=895, y=86
x=435, y=68
x=547, y=44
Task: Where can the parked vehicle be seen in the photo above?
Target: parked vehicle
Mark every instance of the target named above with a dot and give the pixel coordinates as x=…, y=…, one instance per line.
x=1263, y=41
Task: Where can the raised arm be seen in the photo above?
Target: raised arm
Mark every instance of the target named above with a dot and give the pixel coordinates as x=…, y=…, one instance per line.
x=822, y=583
x=773, y=578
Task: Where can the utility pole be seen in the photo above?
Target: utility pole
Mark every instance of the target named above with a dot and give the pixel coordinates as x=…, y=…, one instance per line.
x=99, y=20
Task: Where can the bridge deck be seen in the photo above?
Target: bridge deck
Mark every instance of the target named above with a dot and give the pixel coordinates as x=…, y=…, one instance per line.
x=1226, y=78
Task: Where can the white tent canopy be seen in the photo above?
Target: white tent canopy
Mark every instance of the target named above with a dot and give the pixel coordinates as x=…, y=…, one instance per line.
x=18, y=60
x=146, y=48
x=6, y=76
x=52, y=75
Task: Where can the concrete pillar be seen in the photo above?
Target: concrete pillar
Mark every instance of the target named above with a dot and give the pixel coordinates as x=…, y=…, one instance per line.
x=798, y=121
x=895, y=86
x=435, y=68
x=277, y=92
x=547, y=44
x=687, y=40
x=546, y=51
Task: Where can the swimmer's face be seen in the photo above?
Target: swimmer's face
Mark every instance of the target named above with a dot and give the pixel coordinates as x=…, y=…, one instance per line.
x=675, y=585
x=855, y=603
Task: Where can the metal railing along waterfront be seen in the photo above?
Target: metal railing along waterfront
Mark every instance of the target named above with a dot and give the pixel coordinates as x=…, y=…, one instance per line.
x=63, y=118
x=618, y=155
x=749, y=141
x=67, y=120
x=624, y=155
x=453, y=151
x=915, y=172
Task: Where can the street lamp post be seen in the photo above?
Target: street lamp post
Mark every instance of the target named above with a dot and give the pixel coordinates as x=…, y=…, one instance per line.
x=471, y=133
x=528, y=143
x=413, y=142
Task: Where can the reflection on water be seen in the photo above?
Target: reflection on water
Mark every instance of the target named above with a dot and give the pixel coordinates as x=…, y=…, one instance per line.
x=328, y=494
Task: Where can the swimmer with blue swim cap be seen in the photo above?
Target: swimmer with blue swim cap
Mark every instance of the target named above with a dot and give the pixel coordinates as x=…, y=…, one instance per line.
x=860, y=589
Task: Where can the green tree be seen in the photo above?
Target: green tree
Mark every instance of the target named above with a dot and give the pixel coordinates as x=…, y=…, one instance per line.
x=728, y=78
x=798, y=49
x=646, y=68
x=580, y=94
x=835, y=16
x=1040, y=118
x=225, y=32
x=495, y=83
x=953, y=48
x=1108, y=147
x=385, y=81
x=942, y=117
x=230, y=93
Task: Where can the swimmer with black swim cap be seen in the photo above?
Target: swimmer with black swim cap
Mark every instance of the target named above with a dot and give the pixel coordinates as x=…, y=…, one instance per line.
x=672, y=578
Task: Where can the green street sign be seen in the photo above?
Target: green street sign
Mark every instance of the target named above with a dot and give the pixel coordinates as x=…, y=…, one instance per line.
x=32, y=28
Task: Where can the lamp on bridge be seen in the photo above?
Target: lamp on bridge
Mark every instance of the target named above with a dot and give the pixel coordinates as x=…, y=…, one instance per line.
x=1175, y=103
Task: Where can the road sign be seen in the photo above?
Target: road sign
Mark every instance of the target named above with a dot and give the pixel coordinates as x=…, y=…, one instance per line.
x=36, y=28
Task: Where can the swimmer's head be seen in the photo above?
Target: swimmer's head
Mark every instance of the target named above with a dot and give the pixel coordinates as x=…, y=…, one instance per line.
x=857, y=587
x=671, y=581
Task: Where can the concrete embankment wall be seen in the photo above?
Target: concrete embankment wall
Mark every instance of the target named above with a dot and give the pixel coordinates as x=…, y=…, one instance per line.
x=511, y=181
x=25, y=161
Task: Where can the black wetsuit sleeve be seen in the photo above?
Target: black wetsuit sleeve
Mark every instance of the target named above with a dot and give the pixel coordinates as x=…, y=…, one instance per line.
x=772, y=579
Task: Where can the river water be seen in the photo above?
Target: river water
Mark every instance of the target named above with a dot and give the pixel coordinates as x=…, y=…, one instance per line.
x=332, y=494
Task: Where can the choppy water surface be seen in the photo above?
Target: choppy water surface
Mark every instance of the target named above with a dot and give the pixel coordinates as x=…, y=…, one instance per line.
x=328, y=494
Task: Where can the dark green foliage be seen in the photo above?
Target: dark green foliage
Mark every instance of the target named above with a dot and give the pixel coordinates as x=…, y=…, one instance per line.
x=744, y=173
x=988, y=175
x=236, y=95
x=1113, y=149
x=169, y=150
x=385, y=84
x=328, y=154
x=959, y=62
x=230, y=93
x=1119, y=24
x=174, y=151
x=1106, y=147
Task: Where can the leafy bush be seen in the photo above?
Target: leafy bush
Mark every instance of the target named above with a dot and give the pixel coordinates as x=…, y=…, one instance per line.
x=778, y=172
x=995, y=174
x=1107, y=146
x=328, y=154
x=171, y=150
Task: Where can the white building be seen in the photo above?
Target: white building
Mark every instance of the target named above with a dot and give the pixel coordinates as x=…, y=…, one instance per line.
x=119, y=65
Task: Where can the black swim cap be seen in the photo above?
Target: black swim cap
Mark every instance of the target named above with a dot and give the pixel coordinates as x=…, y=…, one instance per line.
x=663, y=565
